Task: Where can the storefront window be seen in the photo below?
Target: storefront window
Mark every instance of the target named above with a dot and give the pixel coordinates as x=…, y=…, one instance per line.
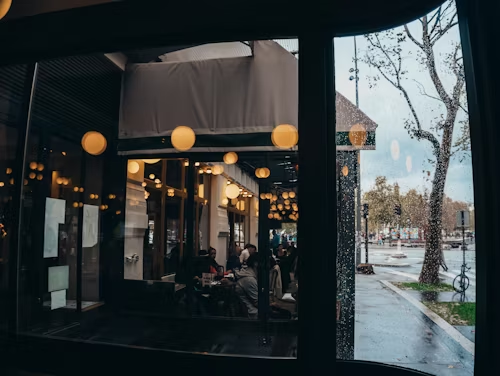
x=405, y=184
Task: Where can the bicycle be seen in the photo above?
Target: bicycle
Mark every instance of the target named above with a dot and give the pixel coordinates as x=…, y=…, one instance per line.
x=461, y=281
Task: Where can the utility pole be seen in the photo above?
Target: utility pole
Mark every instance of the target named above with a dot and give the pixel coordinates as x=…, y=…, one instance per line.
x=365, y=216
x=358, y=155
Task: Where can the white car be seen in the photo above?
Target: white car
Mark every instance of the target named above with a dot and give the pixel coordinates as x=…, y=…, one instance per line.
x=446, y=246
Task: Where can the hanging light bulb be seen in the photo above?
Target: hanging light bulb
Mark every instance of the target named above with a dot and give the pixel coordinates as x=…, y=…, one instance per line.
x=225, y=201
x=232, y=191
x=285, y=136
x=217, y=170
x=4, y=7
x=230, y=158
x=157, y=181
x=183, y=138
x=133, y=167
x=94, y=143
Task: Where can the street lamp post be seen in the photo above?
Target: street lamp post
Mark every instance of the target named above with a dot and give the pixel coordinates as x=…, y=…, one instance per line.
x=355, y=70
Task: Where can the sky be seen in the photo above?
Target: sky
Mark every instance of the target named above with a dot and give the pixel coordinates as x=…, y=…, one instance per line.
x=384, y=104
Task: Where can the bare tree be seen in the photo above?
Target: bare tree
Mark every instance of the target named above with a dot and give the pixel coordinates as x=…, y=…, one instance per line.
x=385, y=53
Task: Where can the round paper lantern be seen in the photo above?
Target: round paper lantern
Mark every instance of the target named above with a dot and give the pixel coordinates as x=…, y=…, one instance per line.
x=225, y=201
x=284, y=195
x=94, y=143
x=40, y=167
x=183, y=138
x=262, y=173
x=232, y=191
x=230, y=158
x=345, y=170
x=33, y=165
x=287, y=202
x=4, y=7
x=262, y=196
x=358, y=135
x=133, y=167
x=32, y=175
x=285, y=136
x=276, y=215
x=217, y=169
x=59, y=181
x=280, y=206
x=288, y=207
x=270, y=216
x=274, y=198
x=269, y=196
x=273, y=207
x=151, y=161
x=152, y=176
x=291, y=195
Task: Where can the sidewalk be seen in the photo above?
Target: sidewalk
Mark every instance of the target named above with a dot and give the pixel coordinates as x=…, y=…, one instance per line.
x=388, y=329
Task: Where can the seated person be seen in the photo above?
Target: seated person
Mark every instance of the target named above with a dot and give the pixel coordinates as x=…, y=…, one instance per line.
x=233, y=262
x=213, y=267
x=245, y=254
x=247, y=287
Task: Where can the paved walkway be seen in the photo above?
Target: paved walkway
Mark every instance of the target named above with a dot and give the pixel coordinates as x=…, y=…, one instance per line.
x=390, y=330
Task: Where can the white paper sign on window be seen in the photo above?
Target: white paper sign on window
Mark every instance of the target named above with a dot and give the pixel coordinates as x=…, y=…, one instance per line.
x=54, y=216
x=57, y=299
x=58, y=278
x=90, y=225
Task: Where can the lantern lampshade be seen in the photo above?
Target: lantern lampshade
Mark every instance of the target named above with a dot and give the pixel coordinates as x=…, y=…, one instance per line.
x=258, y=172
x=4, y=7
x=345, y=170
x=262, y=196
x=273, y=207
x=232, y=191
x=274, y=198
x=225, y=201
x=276, y=215
x=262, y=173
x=183, y=138
x=151, y=161
x=133, y=167
x=217, y=169
x=358, y=135
x=230, y=158
x=94, y=143
x=285, y=136
x=284, y=195
x=280, y=206
x=270, y=216
x=269, y=196
x=292, y=194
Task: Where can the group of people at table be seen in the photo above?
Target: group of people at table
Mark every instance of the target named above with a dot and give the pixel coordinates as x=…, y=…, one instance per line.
x=242, y=269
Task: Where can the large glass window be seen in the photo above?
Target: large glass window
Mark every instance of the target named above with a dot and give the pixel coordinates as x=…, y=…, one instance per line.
x=172, y=218
x=406, y=207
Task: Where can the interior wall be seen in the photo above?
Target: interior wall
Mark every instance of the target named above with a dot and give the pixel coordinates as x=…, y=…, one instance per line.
x=218, y=219
x=136, y=223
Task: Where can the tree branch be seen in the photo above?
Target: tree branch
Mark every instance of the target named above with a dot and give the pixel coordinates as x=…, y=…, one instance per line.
x=412, y=37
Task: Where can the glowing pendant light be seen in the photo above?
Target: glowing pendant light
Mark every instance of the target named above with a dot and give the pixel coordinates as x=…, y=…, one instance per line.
x=94, y=143
x=183, y=138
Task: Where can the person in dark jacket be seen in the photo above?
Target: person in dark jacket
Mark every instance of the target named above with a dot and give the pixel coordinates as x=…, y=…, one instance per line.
x=233, y=262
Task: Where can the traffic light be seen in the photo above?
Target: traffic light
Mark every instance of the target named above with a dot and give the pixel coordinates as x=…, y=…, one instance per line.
x=397, y=209
x=365, y=210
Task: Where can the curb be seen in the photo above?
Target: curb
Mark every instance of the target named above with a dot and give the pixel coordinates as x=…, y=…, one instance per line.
x=391, y=265
x=447, y=328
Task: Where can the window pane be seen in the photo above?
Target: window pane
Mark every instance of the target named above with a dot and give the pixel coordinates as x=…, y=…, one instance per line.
x=12, y=81
x=402, y=130
x=172, y=218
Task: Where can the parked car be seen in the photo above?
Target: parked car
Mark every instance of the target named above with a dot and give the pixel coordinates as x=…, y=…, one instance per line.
x=446, y=246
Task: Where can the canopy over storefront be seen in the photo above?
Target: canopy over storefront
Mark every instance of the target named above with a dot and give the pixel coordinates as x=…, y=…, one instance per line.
x=230, y=94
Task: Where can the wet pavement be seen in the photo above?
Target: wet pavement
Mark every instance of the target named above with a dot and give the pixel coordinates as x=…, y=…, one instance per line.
x=390, y=330
x=468, y=331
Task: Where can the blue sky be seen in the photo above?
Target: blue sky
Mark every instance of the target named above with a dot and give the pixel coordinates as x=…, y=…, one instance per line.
x=388, y=109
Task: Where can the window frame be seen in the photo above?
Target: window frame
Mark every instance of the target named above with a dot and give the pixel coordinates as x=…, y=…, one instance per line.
x=316, y=65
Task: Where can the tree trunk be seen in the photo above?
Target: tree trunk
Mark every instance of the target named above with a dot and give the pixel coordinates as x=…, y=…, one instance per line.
x=433, y=243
